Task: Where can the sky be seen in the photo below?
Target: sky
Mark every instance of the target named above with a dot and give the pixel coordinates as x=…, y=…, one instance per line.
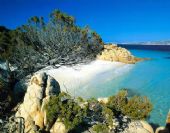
x=115, y=20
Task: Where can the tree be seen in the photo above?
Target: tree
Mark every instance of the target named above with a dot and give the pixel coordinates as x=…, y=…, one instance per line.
x=61, y=39
x=58, y=40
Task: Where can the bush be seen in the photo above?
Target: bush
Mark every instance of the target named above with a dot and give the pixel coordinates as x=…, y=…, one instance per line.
x=118, y=101
x=67, y=110
x=64, y=108
x=108, y=116
x=101, y=128
x=5, y=94
x=135, y=107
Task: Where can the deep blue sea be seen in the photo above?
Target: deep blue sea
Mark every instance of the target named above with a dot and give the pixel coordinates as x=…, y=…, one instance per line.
x=149, y=78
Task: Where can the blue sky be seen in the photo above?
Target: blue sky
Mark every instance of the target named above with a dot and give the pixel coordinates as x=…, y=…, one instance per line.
x=114, y=20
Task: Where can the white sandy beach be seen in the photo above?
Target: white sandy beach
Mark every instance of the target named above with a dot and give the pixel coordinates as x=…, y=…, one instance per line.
x=82, y=76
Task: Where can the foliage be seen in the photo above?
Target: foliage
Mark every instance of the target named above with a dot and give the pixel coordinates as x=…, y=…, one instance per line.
x=67, y=110
x=5, y=40
x=100, y=128
x=118, y=101
x=38, y=42
x=135, y=107
x=64, y=108
x=60, y=38
x=80, y=99
x=108, y=116
x=92, y=100
x=16, y=50
x=5, y=93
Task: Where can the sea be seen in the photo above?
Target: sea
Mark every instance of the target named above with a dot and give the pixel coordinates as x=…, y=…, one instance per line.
x=149, y=78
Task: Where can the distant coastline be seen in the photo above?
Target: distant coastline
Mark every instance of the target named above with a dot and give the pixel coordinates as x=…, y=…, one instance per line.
x=146, y=47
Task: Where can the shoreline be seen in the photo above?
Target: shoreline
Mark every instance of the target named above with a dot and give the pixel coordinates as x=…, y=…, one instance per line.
x=72, y=78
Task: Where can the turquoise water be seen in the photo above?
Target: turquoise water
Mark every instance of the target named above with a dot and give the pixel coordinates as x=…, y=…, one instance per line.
x=152, y=78
x=149, y=78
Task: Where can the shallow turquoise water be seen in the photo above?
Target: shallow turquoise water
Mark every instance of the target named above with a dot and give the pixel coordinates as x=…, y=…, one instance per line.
x=150, y=78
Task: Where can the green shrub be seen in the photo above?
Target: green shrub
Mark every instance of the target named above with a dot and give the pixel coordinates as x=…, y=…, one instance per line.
x=118, y=101
x=64, y=108
x=101, y=128
x=136, y=107
x=67, y=110
x=108, y=116
x=80, y=99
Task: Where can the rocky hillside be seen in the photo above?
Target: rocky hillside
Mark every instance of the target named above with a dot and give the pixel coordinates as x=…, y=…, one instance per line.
x=46, y=109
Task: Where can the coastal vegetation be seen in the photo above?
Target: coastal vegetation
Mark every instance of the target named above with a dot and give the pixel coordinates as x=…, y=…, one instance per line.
x=100, y=116
x=65, y=109
x=135, y=107
x=57, y=41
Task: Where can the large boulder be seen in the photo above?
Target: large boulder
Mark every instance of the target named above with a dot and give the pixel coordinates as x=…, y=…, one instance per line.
x=162, y=130
x=138, y=127
x=114, y=53
x=165, y=129
x=39, y=90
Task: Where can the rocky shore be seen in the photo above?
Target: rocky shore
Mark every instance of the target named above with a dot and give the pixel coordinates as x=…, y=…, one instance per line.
x=112, y=52
x=33, y=100
x=23, y=106
x=30, y=114
x=32, y=110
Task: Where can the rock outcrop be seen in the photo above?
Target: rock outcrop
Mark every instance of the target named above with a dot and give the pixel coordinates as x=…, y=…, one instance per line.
x=138, y=127
x=39, y=91
x=165, y=129
x=112, y=52
x=41, y=87
x=58, y=127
